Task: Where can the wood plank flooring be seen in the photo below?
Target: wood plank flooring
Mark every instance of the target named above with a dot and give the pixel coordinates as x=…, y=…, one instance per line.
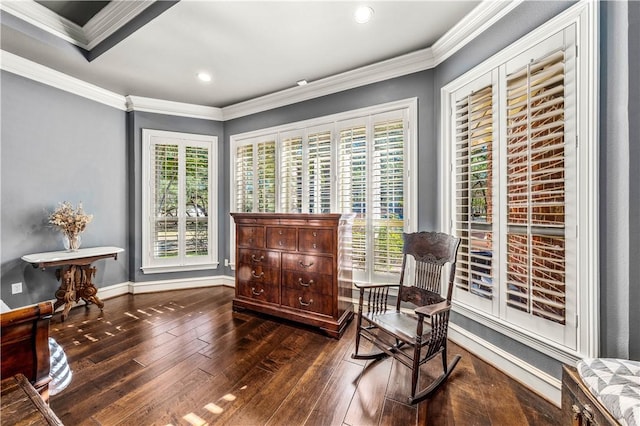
x=184, y=358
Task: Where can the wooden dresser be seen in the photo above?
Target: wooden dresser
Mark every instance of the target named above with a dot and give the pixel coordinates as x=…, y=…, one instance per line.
x=295, y=266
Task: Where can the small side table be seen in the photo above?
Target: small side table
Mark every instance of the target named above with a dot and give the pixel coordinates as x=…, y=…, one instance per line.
x=75, y=273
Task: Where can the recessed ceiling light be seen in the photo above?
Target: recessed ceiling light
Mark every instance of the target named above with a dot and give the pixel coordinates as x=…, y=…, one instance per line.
x=204, y=76
x=301, y=82
x=363, y=14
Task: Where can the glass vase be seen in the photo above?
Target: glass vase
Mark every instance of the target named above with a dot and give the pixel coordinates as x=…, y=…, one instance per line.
x=72, y=242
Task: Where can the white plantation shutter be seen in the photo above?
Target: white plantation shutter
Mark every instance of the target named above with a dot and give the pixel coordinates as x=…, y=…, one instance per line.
x=177, y=202
x=371, y=184
x=515, y=197
x=291, y=174
x=164, y=160
x=266, y=176
x=473, y=126
x=197, y=200
x=536, y=188
x=319, y=171
x=244, y=175
x=352, y=186
x=387, y=184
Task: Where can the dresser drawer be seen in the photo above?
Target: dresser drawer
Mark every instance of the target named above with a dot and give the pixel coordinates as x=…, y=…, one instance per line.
x=281, y=238
x=315, y=240
x=306, y=300
x=264, y=258
x=318, y=283
x=250, y=236
x=258, y=273
x=300, y=262
x=263, y=291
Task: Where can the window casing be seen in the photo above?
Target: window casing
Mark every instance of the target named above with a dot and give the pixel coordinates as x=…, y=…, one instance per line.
x=349, y=163
x=179, y=209
x=515, y=190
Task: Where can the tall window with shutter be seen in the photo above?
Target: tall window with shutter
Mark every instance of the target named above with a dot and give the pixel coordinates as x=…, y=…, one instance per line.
x=514, y=194
x=178, y=208
x=356, y=164
x=474, y=146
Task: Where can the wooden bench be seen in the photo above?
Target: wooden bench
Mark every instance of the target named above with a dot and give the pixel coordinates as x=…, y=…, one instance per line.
x=25, y=345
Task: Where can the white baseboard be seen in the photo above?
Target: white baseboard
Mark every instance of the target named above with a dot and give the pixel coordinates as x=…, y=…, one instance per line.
x=180, y=284
x=534, y=379
x=114, y=290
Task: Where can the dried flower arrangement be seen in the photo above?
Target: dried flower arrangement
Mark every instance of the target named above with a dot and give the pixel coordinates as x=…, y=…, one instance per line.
x=70, y=221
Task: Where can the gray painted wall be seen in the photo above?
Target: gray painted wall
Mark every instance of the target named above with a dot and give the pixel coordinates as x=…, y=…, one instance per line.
x=634, y=175
x=57, y=146
x=136, y=121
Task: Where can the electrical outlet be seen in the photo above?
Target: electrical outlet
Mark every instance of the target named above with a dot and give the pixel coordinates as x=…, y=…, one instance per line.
x=16, y=288
x=226, y=262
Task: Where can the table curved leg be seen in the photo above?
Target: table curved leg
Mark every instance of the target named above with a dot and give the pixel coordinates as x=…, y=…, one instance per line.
x=66, y=294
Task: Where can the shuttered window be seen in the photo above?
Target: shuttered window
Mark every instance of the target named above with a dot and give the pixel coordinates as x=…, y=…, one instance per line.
x=266, y=174
x=319, y=171
x=255, y=176
x=514, y=190
x=474, y=123
x=291, y=174
x=387, y=184
x=354, y=165
x=178, y=227
x=352, y=169
x=536, y=187
x=372, y=182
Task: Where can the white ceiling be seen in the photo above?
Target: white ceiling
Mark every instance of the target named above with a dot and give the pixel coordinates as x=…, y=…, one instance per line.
x=251, y=48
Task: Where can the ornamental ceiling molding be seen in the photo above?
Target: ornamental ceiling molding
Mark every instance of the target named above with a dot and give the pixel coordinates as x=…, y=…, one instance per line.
x=478, y=20
x=28, y=69
x=107, y=21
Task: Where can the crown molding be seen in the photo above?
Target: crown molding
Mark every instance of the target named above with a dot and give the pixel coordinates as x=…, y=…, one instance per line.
x=47, y=20
x=106, y=22
x=111, y=18
x=391, y=68
x=159, y=106
x=34, y=71
x=473, y=24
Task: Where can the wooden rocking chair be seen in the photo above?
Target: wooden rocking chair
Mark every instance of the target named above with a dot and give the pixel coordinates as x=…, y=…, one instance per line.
x=417, y=336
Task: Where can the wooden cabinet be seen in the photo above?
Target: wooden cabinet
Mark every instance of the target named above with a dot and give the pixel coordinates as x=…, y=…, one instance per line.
x=579, y=406
x=295, y=266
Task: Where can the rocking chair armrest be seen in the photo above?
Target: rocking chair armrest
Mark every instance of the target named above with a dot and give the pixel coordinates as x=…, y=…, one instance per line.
x=364, y=286
x=434, y=309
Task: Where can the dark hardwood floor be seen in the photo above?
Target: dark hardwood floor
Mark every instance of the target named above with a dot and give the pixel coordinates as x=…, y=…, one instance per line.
x=184, y=358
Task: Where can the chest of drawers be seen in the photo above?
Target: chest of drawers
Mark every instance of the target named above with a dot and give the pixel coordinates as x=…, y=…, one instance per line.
x=295, y=266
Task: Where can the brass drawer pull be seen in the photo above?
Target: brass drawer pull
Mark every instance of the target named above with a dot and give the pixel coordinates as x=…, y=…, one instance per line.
x=315, y=245
x=305, y=266
x=303, y=303
x=257, y=260
x=303, y=284
x=588, y=414
x=315, y=234
x=253, y=274
x=256, y=293
x=280, y=242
